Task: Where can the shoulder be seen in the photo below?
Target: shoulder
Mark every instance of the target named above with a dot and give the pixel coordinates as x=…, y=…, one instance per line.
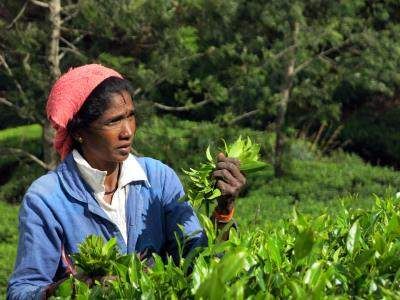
x=44, y=189
x=46, y=184
x=159, y=175
x=154, y=168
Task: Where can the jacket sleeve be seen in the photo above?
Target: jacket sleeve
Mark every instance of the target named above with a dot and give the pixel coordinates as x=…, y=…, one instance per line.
x=39, y=250
x=178, y=213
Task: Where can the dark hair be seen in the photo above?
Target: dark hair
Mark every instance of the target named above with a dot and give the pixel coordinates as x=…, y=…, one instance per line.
x=97, y=103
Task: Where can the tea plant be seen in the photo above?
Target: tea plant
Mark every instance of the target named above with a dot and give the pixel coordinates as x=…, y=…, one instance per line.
x=353, y=254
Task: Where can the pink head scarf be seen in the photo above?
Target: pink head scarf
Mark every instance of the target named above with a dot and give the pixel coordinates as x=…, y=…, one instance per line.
x=67, y=96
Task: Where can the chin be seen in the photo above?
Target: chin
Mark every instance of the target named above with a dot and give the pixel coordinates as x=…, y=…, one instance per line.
x=121, y=156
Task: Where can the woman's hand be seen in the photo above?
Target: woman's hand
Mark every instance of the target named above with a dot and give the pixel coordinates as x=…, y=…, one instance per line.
x=230, y=181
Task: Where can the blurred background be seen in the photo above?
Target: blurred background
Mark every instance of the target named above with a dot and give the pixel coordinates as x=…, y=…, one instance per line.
x=315, y=83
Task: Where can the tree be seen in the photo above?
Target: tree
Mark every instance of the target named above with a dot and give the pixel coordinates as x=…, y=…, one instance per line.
x=249, y=63
x=33, y=39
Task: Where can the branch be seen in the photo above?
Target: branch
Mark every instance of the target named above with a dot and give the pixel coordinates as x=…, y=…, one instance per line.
x=71, y=47
x=282, y=52
x=69, y=7
x=21, y=12
x=321, y=55
x=135, y=92
x=20, y=152
x=6, y=102
x=18, y=110
x=70, y=16
x=182, y=108
x=244, y=116
x=10, y=73
x=40, y=3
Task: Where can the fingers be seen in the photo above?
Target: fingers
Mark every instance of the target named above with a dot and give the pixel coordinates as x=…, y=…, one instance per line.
x=228, y=189
x=222, y=158
x=231, y=168
x=225, y=176
x=230, y=180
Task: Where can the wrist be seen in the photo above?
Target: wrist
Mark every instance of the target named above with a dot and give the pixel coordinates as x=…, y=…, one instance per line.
x=224, y=207
x=224, y=216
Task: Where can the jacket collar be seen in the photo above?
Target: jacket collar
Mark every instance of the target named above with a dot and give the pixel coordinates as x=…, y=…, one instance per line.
x=74, y=185
x=131, y=171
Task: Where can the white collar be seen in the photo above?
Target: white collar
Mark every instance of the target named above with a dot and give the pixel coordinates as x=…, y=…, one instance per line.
x=130, y=171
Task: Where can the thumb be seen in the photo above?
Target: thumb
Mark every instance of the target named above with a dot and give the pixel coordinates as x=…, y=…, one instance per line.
x=221, y=156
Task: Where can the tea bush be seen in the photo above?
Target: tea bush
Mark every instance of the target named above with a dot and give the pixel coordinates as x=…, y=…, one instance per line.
x=8, y=243
x=351, y=254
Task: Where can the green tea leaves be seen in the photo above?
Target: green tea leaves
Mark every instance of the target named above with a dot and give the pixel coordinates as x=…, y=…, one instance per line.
x=353, y=237
x=201, y=186
x=95, y=257
x=355, y=255
x=304, y=244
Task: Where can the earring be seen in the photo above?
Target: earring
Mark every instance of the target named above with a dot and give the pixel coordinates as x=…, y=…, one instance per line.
x=80, y=140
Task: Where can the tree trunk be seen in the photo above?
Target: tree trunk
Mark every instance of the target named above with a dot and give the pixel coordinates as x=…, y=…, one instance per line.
x=50, y=155
x=281, y=117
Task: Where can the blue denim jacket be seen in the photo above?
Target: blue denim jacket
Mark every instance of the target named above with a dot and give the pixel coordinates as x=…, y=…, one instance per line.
x=59, y=210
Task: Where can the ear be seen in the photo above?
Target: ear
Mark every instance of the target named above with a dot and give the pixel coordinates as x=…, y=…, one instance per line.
x=78, y=135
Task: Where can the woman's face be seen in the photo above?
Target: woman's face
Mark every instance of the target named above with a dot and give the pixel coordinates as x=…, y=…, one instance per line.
x=108, y=140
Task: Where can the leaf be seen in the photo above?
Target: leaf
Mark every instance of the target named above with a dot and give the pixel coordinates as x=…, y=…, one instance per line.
x=252, y=166
x=353, y=237
x=274, y=250
x=236, y=149
x=208, y=154
x=364, y=257
x=231, y=265
x=304, y=244
x=393, y=225
x=312, y=275
x=65, y=289
x=297, y=291
x=216, y=193
x=379, y=243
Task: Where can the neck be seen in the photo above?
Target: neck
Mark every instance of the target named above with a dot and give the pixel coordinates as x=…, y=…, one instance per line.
x=111, y=180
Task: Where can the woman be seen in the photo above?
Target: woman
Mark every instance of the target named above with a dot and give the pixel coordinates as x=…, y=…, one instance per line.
x=100, y=188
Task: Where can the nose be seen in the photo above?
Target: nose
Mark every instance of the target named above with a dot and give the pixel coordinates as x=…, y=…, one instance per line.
x=127, y=129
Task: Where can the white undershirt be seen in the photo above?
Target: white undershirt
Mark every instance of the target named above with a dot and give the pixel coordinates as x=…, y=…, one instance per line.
x=130, y=171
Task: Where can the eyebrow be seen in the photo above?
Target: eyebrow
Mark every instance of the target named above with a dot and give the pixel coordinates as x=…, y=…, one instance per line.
x=120, y=117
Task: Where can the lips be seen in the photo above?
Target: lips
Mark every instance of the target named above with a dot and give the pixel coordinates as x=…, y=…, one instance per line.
x=125, y=148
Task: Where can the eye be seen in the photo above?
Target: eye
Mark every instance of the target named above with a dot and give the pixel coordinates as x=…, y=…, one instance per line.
x=113, y=122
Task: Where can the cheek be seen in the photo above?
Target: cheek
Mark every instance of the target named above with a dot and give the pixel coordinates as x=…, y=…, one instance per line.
x=100, y=142
x=134, y=127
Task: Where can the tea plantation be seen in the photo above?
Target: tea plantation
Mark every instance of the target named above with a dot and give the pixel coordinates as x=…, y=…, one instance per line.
x=329, y=227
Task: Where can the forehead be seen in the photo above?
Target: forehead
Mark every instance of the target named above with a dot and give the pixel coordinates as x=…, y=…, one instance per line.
x=119, y=102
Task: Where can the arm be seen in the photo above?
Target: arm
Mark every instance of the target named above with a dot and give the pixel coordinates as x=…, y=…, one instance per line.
x=230, y=181
x=39, y=249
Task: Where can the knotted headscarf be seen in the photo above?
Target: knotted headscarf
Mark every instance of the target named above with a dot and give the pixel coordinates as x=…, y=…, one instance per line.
x=67, y=96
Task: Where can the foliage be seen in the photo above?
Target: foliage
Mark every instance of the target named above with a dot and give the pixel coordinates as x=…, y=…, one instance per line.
x=26, y=137
x=18, y=172
x=181, y=143
x=202, y=188
x=8, y=243
x=231, y=54
x=95, y=256
x=353, y=254
x=375, y=136
x=314, y=187
x=18, y=176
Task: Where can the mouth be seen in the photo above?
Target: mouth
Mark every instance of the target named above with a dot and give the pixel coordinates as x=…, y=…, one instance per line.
x=125, y=148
